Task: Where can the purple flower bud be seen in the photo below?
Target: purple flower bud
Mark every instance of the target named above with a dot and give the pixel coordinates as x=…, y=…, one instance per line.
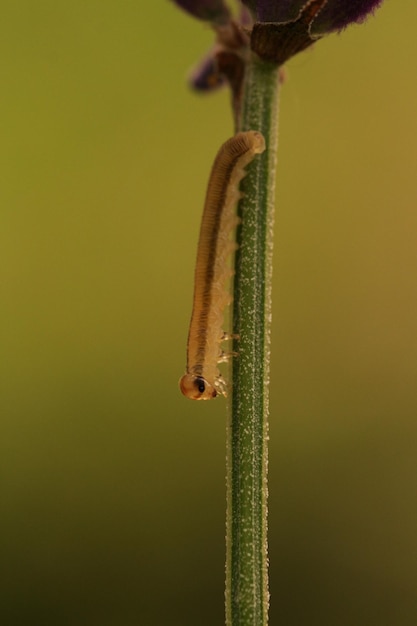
x=337, y=14
x=209, y=10
x=285, y=27
x=333, y=14
x=275, y=10
x=206, y=76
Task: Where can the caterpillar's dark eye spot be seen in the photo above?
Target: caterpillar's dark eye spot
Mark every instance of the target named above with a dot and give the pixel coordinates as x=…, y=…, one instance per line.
x=200, y=384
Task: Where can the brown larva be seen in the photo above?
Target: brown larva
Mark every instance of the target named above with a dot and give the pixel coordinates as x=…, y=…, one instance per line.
x=202, y=380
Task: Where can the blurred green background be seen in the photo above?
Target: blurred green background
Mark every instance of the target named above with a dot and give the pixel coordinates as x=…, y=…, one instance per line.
x=112, y=483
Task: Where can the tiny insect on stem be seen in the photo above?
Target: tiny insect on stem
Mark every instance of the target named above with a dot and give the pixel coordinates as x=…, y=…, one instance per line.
x=203, y=380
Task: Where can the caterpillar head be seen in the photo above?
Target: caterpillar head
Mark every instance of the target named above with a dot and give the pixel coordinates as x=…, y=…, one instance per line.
x=197, y=387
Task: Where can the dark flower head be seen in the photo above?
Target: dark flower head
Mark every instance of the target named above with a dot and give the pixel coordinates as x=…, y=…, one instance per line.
x=275, y=10
x=214, y=11
x=337, y=14
x=332, y=15
x=285, y=27
x=275, y=30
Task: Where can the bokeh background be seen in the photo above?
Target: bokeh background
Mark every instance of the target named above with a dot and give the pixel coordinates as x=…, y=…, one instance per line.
x=112, y=483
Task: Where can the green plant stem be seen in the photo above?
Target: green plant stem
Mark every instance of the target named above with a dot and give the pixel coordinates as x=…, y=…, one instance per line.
x=247, y=595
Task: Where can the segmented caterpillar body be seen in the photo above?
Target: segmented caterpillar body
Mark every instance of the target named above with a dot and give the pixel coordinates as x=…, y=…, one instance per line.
x=202, y=380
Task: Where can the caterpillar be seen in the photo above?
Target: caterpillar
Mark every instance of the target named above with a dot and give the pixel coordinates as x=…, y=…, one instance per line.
x=203, y=380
